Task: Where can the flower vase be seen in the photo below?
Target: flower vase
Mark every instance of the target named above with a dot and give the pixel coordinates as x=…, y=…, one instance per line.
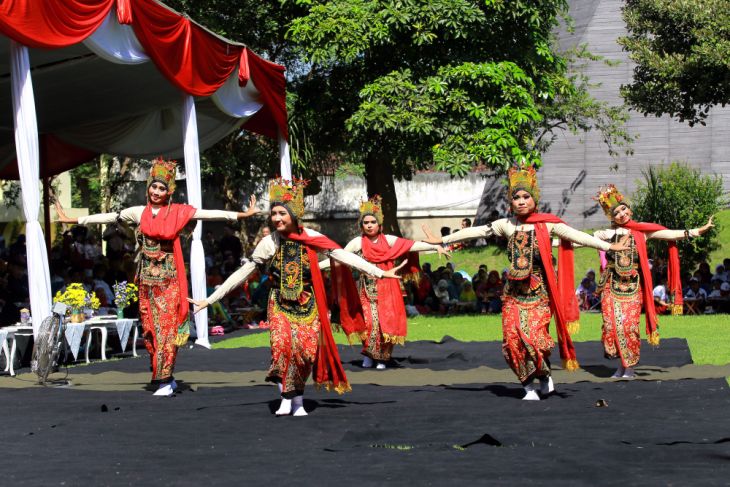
x=120, y=313
x=77, y=316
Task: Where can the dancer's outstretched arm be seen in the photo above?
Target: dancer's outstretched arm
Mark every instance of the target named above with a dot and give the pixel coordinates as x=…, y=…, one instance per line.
x=583, y=239
x=681, y=234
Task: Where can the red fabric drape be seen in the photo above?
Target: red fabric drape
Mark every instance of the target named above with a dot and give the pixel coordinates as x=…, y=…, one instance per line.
x=56, y=156
x=167, y=225
x=51, y=24
x=327, y=368
x=190, y=57
x=271, y=84
x=674, y=281
x=562, y=297
x=391, y=310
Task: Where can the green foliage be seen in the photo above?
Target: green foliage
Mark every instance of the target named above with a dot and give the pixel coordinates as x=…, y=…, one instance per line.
x=680, y=197
x=11, y=192
x=455, y=83
x=682, y=53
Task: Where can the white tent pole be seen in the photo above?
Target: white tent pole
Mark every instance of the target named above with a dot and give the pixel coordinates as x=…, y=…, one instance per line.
x=195, y=198
x=26, y=149
x=284, y=157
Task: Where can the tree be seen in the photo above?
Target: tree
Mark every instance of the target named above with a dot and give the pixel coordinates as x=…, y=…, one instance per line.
x=682, y=55
x=401, y=85
x=679, y=196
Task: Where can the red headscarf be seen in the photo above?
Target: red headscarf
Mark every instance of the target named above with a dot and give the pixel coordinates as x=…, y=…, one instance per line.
x=391, y=310
x=674, y=280
x=167, y=225
x=328, y=371
x=562, y=297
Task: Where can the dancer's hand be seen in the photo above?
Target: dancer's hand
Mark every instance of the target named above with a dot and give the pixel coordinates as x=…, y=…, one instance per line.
x=393, y=273
x=430, y=237
x=443, y=252
x=198, y=304
x=252, y=210
x=622, y=244
x=704, y=228
x=62, y=214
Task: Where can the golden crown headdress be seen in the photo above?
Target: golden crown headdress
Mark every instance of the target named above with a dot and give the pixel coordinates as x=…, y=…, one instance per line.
x=523, y=178
x=610, y=198
x=163, y=171
x=288, y=193
x=374, y=207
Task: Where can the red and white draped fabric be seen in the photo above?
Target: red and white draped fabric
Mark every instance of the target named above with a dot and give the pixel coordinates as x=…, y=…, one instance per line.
x=240, y=84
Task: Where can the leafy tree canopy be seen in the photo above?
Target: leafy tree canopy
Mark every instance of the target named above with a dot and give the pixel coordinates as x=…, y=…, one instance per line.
x=682, y=53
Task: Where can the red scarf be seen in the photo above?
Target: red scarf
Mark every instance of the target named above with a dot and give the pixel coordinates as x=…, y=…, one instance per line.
x=167, y=225
x=328, y=369
x=391, y=310
x=674, y=281
x=560, y=291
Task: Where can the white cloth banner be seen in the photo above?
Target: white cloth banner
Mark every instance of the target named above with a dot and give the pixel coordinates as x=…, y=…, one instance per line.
x=73, y=333
x=116, y=42
x=26, y=148
x=284, y=158
x=195, y=198
x=123, y=329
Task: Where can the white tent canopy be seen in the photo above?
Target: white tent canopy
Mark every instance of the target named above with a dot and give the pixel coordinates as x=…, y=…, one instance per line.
x=105, y=95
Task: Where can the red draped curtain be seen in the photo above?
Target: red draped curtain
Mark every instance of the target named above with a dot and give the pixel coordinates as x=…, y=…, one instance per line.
x=191, y=58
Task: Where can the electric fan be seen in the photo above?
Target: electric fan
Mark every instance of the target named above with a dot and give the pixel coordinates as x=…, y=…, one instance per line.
x=48, y=343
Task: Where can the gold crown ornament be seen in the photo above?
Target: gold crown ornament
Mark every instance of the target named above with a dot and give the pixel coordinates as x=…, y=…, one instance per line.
x=290, y=194
x=163, y=171
x=374, y=207
x=523, y=178
x=610, y=198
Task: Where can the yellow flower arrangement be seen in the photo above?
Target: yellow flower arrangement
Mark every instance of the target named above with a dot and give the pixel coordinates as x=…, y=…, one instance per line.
x=76, y=297
x=125, y=293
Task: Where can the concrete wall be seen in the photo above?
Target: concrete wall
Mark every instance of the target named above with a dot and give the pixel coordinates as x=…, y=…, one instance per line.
x=575, y=166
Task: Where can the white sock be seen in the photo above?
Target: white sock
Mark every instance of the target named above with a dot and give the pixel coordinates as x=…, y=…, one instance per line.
x=628, y=373
x=284, y=407
x=531, y=393
x=367, y=362
x=619, y=371
x=546, y=385
x=165, y=390
x=381, y=366
x=298, y=406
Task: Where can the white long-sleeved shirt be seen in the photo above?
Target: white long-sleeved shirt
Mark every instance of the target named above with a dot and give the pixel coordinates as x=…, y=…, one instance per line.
x=266, y=250
x=506, y=227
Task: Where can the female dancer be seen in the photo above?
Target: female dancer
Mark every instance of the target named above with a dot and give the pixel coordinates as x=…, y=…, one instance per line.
x=382, y=299
x=163, y=287
x=532, y=290
x=301, y=337
x=626, y=274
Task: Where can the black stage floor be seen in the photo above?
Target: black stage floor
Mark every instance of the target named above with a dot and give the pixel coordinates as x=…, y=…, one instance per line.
x=654, y=432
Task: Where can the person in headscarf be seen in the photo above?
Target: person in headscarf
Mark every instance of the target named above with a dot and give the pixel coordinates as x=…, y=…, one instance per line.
x=626, y=282
x=382, y=299
x=300, y=333
x=160, y=276
x=534, y=291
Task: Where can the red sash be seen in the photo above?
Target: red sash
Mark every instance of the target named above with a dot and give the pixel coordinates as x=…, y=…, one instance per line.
x=167, y=225
x=328, y=371
x=562, y=297
x=674, y=281
x=391, y=310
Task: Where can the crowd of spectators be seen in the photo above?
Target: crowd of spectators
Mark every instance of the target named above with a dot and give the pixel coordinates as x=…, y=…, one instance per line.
x=77, y=256
x=703, y=292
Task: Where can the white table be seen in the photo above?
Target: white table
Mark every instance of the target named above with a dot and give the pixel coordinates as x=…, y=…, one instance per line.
x=101, y=324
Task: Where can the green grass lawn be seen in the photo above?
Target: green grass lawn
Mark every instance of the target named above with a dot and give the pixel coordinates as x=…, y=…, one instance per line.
x=708, y=336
